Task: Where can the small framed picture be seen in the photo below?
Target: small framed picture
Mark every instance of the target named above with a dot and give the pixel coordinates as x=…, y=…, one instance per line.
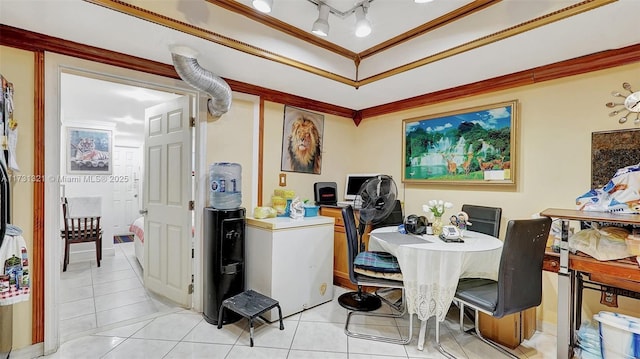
x=89, y=151
x=302, y=141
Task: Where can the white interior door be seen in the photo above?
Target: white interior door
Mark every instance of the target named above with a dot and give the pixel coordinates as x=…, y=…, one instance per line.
x=126, y=174
x=167, y=177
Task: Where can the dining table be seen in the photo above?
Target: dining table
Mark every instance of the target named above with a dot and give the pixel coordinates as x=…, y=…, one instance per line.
x=431, y=268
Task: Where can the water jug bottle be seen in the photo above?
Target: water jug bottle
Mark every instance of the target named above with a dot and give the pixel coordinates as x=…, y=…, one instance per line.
x=225, y=185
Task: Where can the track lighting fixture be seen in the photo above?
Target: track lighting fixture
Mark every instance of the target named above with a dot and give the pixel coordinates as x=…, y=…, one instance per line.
x=321, y=26
x=363, y=26
x=263, y=5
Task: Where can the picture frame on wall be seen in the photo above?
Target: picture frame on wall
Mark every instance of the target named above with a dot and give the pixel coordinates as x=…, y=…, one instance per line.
x=302, y=141
x=89, y=151
x=473, y=146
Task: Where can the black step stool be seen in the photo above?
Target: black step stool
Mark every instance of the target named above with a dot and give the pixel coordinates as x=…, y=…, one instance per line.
x=249, y=304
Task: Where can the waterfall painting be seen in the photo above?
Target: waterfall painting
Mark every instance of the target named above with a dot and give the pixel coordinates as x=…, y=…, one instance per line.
x=474, y=146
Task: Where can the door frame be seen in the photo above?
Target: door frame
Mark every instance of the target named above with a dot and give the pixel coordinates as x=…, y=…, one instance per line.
x=56, y=64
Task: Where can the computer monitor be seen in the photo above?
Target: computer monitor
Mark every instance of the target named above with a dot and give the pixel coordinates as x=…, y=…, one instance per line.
x=354, y=182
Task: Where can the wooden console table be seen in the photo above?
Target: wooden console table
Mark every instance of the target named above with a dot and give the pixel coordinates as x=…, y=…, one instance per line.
x=621, y=274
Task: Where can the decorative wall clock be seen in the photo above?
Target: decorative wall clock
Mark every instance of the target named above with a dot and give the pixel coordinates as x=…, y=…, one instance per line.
x=631, y=104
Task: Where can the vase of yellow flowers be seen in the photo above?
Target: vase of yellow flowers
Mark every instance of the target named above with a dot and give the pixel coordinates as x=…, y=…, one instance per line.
x=437, y=208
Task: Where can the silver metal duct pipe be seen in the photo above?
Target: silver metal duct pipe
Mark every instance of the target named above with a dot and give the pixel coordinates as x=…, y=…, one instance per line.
x=187, y=67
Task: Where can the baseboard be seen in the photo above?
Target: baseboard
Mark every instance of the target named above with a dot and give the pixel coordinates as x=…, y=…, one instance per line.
x=547, y=328
x=32, y=351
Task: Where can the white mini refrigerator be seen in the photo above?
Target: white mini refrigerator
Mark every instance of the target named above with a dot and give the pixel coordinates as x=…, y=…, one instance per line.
x=290, y=261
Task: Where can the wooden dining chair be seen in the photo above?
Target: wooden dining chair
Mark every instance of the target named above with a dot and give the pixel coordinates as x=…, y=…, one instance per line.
x=80, y=230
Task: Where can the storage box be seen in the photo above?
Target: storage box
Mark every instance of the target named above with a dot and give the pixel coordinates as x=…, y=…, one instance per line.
x=619, y=335
x=311, y=211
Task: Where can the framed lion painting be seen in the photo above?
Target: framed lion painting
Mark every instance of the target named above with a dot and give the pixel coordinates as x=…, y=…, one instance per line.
x=302, y=141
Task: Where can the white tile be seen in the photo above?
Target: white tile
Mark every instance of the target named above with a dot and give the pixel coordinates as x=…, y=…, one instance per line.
x=364, y=346
x=71, y=280
x=88, y=347
x=372, y=356
x=118, y=286
x=124, y=331
x=125, y=313
x=199, y=350
x=327, y=312
x=205, y=332
x=70, y=295
x=111, y=276
x=78, y=266
x=76, y=325
x=306, y=354
x=173, y=326
x=119, y=299
x=270, y=335
x=243, y=352
x=141, y=348
x=76, y=308
x=320, y=336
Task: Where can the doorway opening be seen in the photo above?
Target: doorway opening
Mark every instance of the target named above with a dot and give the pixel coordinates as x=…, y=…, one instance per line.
x=110, y=115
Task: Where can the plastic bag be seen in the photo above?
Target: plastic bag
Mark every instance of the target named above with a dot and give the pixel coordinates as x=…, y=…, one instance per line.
x=603, y=244
x=621, y=194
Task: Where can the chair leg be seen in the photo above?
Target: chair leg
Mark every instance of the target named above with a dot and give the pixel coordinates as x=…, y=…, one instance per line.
x=438, y=345
x=399, y=314
x=66, y=256
x=220, y=316
x=98, y=250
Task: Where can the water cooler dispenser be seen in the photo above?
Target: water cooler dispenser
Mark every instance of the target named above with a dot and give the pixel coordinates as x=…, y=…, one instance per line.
x=224, y=267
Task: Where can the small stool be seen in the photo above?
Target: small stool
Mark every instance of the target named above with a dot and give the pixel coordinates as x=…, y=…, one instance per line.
x=249, y=304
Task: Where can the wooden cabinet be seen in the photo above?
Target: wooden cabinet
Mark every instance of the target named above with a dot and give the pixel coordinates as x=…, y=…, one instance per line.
x=340, y=261
x=509, y=330
x=340, y=266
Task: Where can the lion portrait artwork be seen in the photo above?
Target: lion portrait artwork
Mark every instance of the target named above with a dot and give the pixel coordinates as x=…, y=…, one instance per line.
x=303, y=152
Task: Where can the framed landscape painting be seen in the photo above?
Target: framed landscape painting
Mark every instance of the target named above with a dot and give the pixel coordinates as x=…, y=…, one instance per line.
x=474, y=146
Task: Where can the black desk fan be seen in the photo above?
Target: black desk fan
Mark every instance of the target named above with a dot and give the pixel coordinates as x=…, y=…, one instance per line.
x=375, y=201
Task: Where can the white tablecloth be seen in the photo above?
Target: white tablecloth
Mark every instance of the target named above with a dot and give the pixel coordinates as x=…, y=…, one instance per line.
x=431, y=267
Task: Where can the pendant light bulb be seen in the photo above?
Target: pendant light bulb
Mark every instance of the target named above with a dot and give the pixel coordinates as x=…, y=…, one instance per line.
x=263, y=5
x=321, y=26
x=363, y=26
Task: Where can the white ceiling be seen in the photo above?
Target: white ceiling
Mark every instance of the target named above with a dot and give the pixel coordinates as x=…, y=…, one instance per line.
x=89, y=102
x=298, y=66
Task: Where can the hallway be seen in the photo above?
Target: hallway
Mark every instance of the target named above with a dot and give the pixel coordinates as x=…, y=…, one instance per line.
x=94, y=297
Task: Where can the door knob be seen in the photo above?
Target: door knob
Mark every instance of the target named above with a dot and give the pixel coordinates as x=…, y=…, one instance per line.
x=143, y=211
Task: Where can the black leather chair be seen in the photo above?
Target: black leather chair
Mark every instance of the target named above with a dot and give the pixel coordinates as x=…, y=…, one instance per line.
x=483, y=219
x=519, y=284
x=362, y=303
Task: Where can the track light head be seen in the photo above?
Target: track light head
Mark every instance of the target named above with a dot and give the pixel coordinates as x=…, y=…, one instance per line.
x=363, y=26
x=263, y=5
x=321, y=26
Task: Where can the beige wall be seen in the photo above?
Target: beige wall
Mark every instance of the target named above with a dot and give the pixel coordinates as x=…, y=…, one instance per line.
x=229, y=139
x=554, y=149
x=554, y=167
x=17, y=67
x=339, y=155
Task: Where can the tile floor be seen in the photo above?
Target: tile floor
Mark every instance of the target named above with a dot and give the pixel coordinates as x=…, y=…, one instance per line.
x=106, y=313
x=94, y=297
